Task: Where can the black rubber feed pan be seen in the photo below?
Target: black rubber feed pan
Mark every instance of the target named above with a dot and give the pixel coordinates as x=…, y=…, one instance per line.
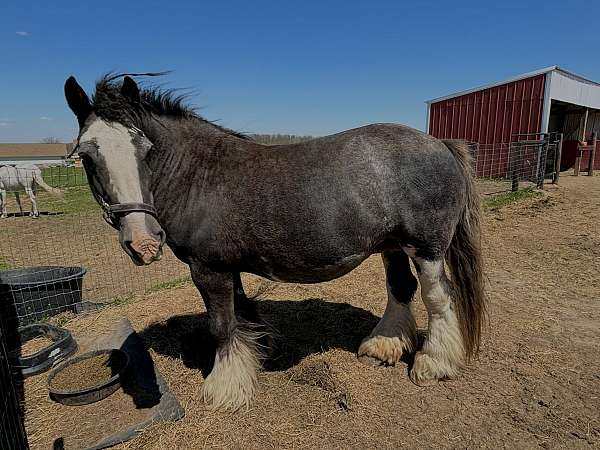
x=34, y=293
x=88, y=378
x=60, y=344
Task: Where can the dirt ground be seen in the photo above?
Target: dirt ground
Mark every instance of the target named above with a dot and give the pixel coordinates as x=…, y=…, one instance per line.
x=536, y=382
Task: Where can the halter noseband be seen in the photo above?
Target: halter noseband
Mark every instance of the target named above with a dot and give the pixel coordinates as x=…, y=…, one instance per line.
x=112, y=213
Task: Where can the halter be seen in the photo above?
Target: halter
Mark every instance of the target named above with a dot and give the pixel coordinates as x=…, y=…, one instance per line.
x=112, y=213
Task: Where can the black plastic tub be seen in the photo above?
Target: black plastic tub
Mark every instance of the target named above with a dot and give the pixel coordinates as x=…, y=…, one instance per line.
x=118, y=361
x=61, y=345
x=35, y=293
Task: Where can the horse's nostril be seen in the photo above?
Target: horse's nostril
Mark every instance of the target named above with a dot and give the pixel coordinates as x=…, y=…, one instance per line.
x=127, y=245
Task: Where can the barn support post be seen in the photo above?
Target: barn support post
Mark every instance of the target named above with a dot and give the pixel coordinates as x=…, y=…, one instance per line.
x=578, y=160
x=558, y=156
x=592, y=156
x=582, y=127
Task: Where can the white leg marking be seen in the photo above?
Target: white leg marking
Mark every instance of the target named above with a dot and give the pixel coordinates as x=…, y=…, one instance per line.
x=233, y=380
x=442, y=355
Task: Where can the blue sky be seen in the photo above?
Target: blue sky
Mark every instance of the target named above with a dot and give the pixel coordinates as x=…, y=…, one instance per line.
x=303, y=67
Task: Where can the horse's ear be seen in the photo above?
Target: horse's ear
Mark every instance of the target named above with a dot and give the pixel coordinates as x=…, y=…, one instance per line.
x=130, y=90
x=77, y=100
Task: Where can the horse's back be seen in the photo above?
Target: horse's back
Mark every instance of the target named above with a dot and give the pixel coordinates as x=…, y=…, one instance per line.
x=18, y=177
x=350, y=193
x=9, y=178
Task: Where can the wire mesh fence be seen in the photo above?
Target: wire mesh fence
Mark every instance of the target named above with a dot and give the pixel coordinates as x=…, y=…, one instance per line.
x=524, y=163
x=57, y=253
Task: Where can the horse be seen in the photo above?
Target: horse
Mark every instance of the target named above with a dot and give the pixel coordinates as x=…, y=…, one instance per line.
x=302, y=213
x=22, y=178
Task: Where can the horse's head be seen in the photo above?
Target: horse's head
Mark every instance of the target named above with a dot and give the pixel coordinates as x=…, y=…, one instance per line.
x=113, y=154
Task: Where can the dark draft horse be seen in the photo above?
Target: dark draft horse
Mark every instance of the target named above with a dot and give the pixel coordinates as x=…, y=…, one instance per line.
x=301, y=213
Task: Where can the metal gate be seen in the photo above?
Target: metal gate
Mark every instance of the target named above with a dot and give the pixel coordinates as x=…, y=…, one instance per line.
x=535, y=157
x=525, y=162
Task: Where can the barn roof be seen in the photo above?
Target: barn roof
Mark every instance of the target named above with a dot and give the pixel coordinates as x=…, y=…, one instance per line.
x=33, y=150
x=577, y=78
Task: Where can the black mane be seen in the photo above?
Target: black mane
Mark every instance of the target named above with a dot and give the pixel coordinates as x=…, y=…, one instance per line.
x=109, y=104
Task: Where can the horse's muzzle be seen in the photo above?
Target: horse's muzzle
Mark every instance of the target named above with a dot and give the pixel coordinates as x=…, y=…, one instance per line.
x=142, y=238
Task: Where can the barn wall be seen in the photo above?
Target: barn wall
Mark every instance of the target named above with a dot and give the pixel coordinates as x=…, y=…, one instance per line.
x=492, y=115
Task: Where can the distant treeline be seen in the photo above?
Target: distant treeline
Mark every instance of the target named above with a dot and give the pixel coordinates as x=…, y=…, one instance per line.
x=274, y=139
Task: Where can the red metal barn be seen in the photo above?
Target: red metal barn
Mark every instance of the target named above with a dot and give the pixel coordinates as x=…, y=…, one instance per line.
x=545, y=101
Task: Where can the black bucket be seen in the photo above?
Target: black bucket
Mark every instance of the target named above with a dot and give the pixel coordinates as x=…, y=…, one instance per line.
x=35, y=293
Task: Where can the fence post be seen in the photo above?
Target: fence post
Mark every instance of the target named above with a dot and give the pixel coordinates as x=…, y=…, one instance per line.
x=541, y=166
x=558, y=157
x=514, y=175
x=592, y=156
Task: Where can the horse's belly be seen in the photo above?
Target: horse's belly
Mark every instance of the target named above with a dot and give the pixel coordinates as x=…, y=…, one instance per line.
x=303, y=272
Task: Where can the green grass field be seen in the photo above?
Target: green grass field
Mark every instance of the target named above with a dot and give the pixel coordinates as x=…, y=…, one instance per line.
x=5, y=263
x=73, y=182
x=500, y=200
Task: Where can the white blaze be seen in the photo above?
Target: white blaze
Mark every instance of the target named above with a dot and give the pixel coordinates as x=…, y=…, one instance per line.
x=115, y=146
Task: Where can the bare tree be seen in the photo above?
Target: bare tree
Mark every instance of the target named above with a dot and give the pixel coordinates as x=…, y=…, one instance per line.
x=50, y=140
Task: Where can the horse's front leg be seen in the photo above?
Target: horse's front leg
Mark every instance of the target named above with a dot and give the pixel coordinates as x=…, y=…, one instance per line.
x=3, y=212
x=233, y=379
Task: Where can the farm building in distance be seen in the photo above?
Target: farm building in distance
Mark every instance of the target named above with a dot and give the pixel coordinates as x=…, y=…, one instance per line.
x=39, y=154
x=550, y=100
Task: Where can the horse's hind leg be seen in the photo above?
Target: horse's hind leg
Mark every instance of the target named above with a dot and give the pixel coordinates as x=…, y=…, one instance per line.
x=442, y=354
x=232, y=381
x=34, y=208
x=396, y=332
x=18, y=199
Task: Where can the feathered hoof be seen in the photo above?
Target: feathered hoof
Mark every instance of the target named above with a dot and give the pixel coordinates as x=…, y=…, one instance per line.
x=427, y=370
x=228, y=395
x=233, y=381
x=382, y=350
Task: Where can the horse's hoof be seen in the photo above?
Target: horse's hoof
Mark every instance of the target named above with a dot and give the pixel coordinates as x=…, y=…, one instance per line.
x=427, y=371
x=385, y=350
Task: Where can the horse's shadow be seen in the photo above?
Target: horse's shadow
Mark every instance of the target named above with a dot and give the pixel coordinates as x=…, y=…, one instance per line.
x=41, y=213
x=298, y=329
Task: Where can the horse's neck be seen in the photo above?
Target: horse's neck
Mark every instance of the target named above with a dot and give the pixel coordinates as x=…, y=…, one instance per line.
x=186, y=152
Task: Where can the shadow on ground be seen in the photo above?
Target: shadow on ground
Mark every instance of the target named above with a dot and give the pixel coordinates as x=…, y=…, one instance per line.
x=299, y=328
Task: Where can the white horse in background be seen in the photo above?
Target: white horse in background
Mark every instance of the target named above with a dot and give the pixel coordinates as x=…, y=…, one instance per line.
x=22, y=178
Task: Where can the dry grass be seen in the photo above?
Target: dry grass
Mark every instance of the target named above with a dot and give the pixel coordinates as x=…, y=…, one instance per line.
x=535, y=383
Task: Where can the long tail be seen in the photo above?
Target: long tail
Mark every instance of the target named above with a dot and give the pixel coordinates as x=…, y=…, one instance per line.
x=37, y=177
x=464, y=258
